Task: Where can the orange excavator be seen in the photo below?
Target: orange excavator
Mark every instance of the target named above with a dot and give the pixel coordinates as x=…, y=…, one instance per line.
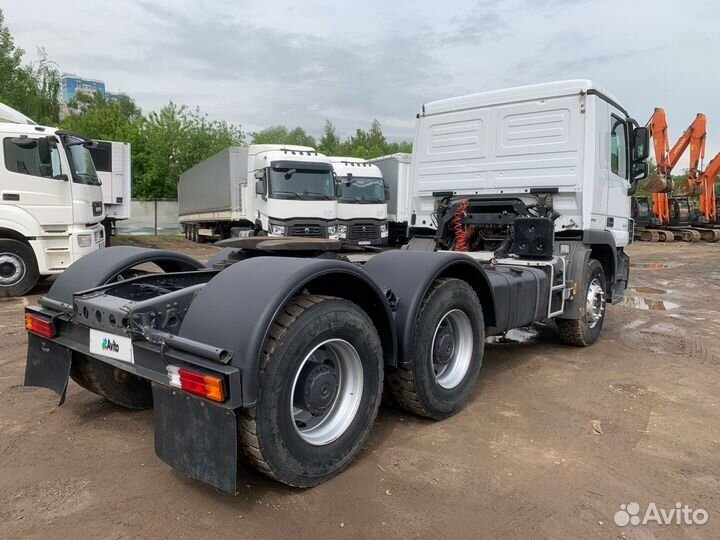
x=694, y=137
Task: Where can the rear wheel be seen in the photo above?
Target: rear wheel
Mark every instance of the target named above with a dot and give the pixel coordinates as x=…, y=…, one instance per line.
x=585, y=330
x=448, y=344
x=18, y=268
x=319, y=391
x=116, y=385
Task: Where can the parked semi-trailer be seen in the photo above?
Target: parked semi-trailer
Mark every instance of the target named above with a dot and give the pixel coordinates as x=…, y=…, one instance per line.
x=361, y=201
x=50, y=202
x=395, y=170
x=256, y=190
x=277, y=351
x=112, y=163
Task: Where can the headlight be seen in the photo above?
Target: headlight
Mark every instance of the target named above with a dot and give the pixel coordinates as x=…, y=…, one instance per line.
x=383, y=230
x=332, y=229
x=85, y=240
x=342, y=229
x=277, y=230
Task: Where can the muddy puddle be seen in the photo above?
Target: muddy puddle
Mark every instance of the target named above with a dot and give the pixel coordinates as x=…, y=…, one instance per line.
x=656, y=265
x=636, y=298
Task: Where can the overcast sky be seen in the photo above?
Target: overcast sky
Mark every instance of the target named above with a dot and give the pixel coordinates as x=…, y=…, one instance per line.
x=259, y=63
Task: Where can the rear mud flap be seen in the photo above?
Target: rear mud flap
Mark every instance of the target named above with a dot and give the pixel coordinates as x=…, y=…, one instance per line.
x=48, y=365
x=196, y=438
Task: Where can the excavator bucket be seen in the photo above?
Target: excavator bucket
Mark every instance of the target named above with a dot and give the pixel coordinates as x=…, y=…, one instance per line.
x=659, y=184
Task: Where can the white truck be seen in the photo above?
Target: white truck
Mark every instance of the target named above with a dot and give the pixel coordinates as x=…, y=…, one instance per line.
x=259, y=190
x=277, y=351
x=113, y=166
x=361, y=201
x=395, y=169
x=51, y=208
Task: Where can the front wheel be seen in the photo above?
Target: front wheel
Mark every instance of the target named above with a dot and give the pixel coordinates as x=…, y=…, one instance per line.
x=18, y=268
x=585, y=330
x=448, y=343
x=320, y=386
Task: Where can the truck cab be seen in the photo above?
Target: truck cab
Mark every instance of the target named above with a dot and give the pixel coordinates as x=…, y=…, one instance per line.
x=294, y=191
x=50, y=204
x=112, y=164
x=361, y=201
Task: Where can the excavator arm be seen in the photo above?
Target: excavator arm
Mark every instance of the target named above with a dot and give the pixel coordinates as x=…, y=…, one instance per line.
x=708, y=201
x=694, y=137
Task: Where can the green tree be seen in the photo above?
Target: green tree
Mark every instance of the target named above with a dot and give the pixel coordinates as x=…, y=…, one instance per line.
x=32, y=89
x=282, y=135
x=329, y=143
x=171, y=141
x=96, y=117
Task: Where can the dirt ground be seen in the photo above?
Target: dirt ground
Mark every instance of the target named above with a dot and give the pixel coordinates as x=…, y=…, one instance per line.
x=553, y=441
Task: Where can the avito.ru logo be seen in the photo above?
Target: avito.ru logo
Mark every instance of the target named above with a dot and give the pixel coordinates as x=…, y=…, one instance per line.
x=108, y=345
x=631, y=514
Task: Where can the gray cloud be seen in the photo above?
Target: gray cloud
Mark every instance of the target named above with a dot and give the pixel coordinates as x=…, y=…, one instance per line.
x=300, y=63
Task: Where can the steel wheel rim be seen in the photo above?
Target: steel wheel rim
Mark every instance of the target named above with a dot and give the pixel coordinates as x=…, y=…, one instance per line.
x=317, y=419
x=594, y=303
x=452, y=348
x=12, y=269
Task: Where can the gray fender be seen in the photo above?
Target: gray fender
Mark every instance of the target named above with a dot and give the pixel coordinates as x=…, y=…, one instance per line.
x=235, y=310
x=103, y=266
x=409, y=274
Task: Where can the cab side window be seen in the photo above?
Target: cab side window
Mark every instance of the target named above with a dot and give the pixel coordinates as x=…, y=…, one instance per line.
x=618, y=148
x=26, y=160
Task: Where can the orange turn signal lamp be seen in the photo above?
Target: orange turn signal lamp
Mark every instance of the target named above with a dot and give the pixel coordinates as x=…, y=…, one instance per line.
x=207, y=386
x=39, y=325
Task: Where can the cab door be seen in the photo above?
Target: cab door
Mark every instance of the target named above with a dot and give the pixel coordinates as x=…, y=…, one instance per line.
x=36, y=183
x=618, y=201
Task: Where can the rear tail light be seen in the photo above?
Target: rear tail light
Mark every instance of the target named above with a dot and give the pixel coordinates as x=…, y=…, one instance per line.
x=207, y=386
x=39, y=325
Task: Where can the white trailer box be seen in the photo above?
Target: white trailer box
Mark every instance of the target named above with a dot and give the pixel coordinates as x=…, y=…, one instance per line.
x=395, y=170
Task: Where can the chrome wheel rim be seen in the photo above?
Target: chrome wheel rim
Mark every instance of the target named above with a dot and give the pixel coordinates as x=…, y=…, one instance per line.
x=594, y=303
x=452, y=348
x=12, y=269
x=326, y=392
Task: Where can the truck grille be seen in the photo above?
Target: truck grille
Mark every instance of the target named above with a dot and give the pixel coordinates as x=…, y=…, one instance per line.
x=363, y=231
x=311, y=231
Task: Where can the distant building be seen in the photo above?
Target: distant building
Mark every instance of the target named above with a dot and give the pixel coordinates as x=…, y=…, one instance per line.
x=71, y=85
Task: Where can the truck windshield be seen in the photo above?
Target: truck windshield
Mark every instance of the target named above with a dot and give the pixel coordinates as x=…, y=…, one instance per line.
x=307, y=184
x=361, y=190
x=81, y=163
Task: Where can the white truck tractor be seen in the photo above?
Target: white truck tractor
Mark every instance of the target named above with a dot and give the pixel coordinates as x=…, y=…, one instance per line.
x=112, y=163
x=259, y=190
x=361, y=202
x=276, y=353
x=50, y=204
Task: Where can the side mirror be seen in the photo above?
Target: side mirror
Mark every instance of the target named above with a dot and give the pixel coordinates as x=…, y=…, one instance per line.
x=44, y=150
x=387, y=193
x=260, y=174
x=640, y=171
x=260, y=187
x=641, y=143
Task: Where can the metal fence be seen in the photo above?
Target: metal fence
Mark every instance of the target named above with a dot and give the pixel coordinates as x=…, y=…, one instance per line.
x=151, y=218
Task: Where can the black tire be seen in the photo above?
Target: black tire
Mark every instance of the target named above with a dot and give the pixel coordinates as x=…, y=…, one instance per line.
x=418, y=387
x=18, y=268
x=583, y=332
x=268, y=435
x=116, y=385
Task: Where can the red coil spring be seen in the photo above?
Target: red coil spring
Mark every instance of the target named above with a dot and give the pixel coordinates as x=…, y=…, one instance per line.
x=461, y=243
